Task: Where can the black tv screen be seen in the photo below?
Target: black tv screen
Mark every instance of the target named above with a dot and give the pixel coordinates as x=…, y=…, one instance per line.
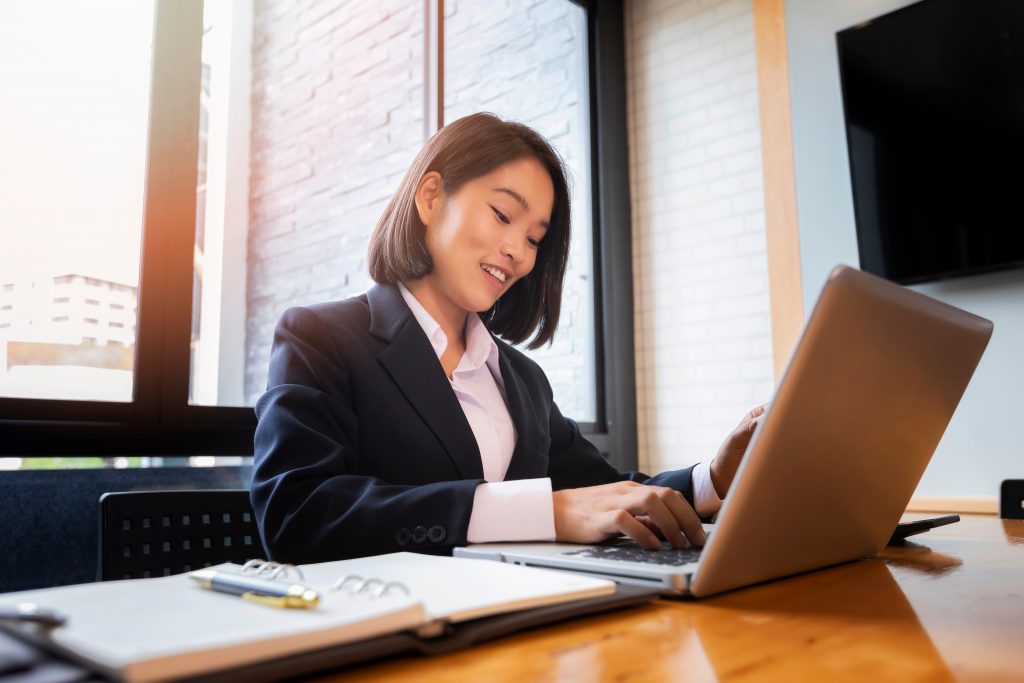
x=934, y=101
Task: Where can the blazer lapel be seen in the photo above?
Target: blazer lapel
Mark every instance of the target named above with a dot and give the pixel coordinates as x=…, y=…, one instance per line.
x=413, y=365
x=525, y=464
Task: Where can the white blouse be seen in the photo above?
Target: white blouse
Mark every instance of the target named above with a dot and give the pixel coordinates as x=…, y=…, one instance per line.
x=519, y=510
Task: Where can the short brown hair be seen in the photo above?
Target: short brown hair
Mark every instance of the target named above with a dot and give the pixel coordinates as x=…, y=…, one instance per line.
x=465, y=149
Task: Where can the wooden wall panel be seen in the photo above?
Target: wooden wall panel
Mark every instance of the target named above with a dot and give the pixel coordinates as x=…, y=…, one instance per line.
x=783, y=240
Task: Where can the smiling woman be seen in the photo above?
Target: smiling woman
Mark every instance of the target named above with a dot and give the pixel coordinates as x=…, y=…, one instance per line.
x=485, y=243
x=399, y=420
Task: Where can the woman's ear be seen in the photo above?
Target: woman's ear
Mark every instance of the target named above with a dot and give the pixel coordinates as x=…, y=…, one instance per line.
x=429, y=197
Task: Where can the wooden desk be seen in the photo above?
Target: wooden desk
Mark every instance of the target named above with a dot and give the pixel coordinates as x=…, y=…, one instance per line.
x=947, y=607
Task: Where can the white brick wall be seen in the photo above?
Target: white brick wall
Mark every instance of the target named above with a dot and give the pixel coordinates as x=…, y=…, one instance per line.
x=337, y=107
x=703, y=343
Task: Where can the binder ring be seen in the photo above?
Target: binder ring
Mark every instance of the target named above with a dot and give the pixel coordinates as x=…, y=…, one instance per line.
x=340, y=584
x=271, y=569
x=391, y=585
x=369, y=587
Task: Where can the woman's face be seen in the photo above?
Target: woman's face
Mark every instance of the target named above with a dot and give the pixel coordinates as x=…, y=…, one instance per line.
x=484, y=237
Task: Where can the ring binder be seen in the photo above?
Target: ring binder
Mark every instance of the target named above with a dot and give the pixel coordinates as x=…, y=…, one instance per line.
x=427, y=604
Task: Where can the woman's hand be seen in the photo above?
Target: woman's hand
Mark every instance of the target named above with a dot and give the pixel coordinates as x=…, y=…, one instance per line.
x=594, y=513
x=727, y=461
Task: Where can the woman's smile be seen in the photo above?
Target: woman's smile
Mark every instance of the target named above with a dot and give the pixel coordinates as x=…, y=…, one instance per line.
x=496, y=277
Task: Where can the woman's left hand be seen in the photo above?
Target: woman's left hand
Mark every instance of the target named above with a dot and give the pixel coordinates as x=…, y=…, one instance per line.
x=727, y=461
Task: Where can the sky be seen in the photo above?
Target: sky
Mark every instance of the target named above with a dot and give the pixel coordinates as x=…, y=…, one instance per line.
x=74, y=103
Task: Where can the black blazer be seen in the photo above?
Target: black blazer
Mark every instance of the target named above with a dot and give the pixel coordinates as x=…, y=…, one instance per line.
x=362, y=447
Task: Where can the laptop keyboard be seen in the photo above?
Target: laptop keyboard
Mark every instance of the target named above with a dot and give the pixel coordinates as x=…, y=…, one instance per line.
x=633, y=552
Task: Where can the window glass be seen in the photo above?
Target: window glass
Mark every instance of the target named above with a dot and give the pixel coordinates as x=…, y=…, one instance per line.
x=529, y=64
x=74, y=109
x=309, y=120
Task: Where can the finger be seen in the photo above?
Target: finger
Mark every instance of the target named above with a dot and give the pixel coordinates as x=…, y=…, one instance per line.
x=649, y=523
x=752, y=416
x=687, y=518
x=626, y=524
x=650, y=502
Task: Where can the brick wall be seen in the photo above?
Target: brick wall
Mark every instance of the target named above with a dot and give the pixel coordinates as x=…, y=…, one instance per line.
x=337, y=117
x=703, y=346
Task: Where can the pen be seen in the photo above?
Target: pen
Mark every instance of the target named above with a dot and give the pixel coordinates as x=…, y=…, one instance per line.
x=263, y=591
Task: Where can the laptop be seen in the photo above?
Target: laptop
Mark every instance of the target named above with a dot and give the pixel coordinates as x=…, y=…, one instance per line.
x=868, y=392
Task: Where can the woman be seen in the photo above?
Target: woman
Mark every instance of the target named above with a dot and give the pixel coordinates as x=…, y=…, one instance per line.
x=396, y=420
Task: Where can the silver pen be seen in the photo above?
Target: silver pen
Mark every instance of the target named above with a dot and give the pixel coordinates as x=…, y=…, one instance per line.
x=254, y=589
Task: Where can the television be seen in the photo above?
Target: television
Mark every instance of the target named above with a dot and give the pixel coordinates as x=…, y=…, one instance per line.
x=933, y=95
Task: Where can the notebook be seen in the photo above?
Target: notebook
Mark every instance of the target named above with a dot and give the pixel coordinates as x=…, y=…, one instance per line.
x=169, y=628
x=868, y=392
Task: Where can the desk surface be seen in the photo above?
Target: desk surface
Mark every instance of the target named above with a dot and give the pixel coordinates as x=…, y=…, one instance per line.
x=947, y=607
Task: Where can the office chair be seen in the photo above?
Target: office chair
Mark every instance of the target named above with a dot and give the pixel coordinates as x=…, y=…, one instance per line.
x=159, y=533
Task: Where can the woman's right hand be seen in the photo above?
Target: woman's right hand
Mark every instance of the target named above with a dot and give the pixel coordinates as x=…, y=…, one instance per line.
x=594, y=513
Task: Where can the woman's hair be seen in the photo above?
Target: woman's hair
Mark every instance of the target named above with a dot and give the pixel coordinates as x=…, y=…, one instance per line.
x=463, y=150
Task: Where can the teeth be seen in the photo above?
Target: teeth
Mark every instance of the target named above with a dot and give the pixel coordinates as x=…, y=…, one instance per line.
x=495, y=272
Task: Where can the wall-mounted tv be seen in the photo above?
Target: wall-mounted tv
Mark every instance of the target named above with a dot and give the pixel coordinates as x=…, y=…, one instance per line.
x=934, y=101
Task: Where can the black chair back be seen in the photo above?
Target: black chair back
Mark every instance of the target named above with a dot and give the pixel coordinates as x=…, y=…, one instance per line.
x=159, y=533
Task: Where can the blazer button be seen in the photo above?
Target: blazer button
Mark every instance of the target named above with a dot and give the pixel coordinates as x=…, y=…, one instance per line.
x=403, y=537
x=437, y=534
x=419, y=535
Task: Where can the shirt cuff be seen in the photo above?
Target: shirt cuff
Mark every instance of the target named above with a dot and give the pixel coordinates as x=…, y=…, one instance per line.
x=705, y=499
x=517, y=510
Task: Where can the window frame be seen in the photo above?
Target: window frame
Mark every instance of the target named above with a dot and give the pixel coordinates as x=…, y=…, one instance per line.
x=615, y=430
x=158, y=420
x=161, y=421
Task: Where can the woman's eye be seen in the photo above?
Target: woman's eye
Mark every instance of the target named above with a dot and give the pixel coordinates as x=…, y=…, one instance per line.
x=501, y=217
x=534, y=242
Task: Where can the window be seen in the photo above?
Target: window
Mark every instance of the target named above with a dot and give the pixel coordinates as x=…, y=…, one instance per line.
x=322, y=156
x=276, y=134
x=76, y=107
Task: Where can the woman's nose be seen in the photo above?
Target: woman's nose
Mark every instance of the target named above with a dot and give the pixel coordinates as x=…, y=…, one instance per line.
x=509, y=249
x=514, y=248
